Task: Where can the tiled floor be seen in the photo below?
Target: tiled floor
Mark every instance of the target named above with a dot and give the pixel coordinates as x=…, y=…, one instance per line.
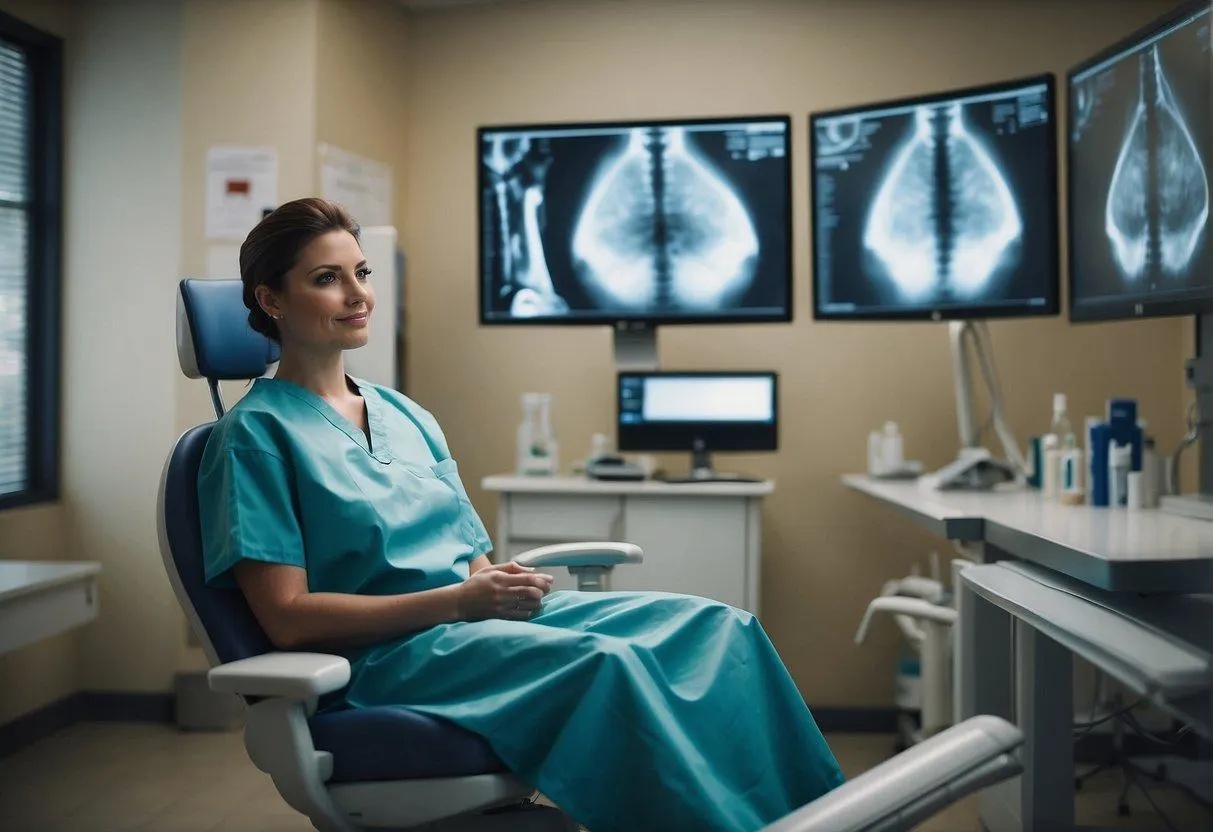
x=99, y=777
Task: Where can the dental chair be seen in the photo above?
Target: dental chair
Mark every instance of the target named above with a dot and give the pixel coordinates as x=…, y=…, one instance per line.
x=393, y=768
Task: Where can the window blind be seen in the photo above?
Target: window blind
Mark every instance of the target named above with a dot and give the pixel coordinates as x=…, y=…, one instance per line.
x=15, y=209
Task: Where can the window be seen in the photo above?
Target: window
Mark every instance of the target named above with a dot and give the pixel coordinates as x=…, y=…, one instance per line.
x=30, y=242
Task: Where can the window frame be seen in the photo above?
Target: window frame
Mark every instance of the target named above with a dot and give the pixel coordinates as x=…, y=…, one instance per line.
x=45, y=258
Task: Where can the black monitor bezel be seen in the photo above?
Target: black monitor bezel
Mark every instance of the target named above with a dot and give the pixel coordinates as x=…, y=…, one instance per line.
x=767, y=435
x=650, y=320
x=1121, y=310
x=1052, y=306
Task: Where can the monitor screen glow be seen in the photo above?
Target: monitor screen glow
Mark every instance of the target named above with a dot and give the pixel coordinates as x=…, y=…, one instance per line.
x=708, y=399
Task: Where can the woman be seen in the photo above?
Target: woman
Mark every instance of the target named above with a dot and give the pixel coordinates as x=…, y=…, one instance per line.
x=335, y=506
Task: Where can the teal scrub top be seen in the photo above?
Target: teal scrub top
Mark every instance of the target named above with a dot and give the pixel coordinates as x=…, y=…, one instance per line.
x=286, y=478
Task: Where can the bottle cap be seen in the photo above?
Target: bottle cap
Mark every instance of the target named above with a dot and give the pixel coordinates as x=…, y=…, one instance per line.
x=1059, y=402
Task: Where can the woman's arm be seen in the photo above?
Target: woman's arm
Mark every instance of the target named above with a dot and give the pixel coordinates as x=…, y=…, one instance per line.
x=295, y=618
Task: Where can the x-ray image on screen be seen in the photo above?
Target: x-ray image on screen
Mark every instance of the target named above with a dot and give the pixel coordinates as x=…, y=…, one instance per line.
x=937, y=207
x=600, y=223
x=1139, y=181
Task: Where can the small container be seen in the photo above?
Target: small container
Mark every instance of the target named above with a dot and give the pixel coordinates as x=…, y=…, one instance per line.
x=1120, y=463
x=894, y=459
x=1133, y=493
x=1035, y=463
x=1052, y=473
x=1151, y=475
x=1088, y=426
x=875, y=453
x=1072, y=493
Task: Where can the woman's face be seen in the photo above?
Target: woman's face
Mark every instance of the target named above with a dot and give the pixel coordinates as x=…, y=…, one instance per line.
x=327, y=300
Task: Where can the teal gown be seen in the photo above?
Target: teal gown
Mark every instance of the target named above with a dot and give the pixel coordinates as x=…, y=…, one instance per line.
x=630, y=710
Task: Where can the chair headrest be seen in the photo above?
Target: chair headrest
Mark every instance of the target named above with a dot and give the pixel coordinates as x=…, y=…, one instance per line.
x=214, y=339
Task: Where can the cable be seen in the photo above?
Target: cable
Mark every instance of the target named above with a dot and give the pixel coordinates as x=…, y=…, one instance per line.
x=1142, y=731
x=1088, y=727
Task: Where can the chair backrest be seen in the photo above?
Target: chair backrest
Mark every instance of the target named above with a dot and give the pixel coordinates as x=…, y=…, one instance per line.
x=220, y=618
x=215, y=342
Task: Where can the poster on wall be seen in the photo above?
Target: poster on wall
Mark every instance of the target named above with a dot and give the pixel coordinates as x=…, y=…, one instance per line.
x=362, y=185
x=241, y=184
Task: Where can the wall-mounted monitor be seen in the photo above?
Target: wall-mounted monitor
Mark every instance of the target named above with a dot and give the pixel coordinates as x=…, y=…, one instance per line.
x=937, y=207
x=652, y=222
x=1138, y=160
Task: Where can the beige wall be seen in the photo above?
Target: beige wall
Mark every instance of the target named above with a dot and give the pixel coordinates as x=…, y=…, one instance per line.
x=362, y=102
x=826, y=551
x=123, y=207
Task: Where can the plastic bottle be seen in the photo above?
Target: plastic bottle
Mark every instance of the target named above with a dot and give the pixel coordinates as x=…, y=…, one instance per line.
x=1051, y=480
x=1089, y=425
x=1061, y=425
x=1151, y=475
x=1120, y=462
x=1071, y=487
x=894, y=458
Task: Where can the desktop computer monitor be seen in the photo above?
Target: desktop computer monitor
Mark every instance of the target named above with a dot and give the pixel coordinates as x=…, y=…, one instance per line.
x=937, y=207
x=700, y=412
x=646, y=222
x=1138, y=153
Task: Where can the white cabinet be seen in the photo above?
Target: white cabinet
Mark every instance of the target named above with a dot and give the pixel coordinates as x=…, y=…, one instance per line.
x=699, y=538
x=40, y=599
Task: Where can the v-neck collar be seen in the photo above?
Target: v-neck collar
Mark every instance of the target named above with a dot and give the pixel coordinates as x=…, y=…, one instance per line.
x=378, y=449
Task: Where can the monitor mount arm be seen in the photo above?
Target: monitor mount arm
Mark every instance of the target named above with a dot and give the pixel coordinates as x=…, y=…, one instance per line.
x=975, y=468
x=635, y=346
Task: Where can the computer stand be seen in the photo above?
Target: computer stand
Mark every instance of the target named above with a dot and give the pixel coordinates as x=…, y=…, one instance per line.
x=975, y=468
x=1199, y=371
x=702, y=470
x=635, y=346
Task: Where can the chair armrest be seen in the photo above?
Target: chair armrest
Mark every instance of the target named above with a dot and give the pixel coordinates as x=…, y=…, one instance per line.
x=901, y=605
x=581, y=554
x=287, y=675
x=916, y=784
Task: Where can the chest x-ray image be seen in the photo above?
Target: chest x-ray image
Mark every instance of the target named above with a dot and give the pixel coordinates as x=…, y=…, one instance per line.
x=943, y=203
x=634, y=221
x=1139, y=156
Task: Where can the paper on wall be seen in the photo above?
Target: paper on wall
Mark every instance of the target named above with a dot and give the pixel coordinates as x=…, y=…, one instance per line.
x=363, y=186
x=241, y=183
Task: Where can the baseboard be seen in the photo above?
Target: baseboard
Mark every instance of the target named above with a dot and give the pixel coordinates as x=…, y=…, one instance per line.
x=38, y=725
x=119, y=706
x=856, y=720
x=86, y=706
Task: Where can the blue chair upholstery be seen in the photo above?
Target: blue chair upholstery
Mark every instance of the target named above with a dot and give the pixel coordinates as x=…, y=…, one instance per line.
x=367, y=744
x=218, y=343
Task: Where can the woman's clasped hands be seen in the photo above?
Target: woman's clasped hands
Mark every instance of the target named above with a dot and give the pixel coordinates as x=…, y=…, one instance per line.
x=503, y=590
